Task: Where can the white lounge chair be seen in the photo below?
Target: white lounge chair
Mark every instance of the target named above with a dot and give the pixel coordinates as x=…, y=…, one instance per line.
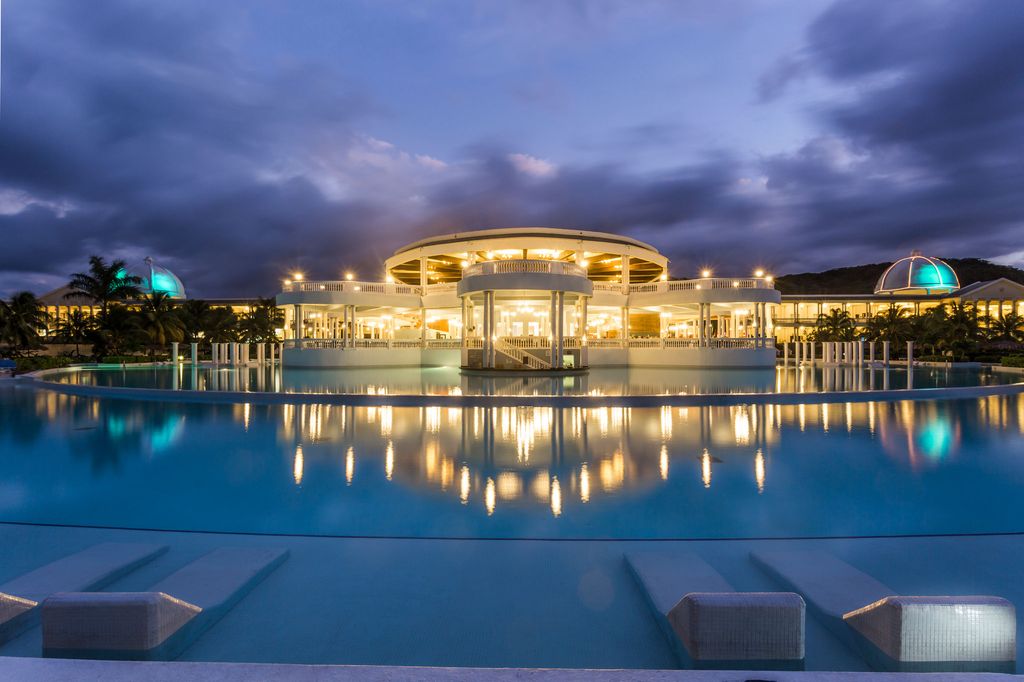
x=90, y=569
x=161, y=623
x=711, y=626
x=899, y=633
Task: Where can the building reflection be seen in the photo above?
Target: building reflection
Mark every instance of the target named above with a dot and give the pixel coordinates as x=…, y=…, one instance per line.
x=561, y=458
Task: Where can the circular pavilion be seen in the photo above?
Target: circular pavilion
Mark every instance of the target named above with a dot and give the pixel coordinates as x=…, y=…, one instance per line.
x=917, y=274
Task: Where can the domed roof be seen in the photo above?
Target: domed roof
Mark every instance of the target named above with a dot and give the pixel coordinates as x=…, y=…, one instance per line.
x=156, y=278
x=918, y=274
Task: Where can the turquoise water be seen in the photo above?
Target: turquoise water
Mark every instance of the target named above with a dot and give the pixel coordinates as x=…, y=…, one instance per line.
x=599, y=381
x=625, y=473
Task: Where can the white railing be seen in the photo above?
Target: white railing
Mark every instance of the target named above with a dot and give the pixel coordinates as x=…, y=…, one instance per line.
x=442, y=288
x=702, y=283
x=523, y=343
x=520, y=355
x=348, y=286
x=498, y=267
x=608, y=286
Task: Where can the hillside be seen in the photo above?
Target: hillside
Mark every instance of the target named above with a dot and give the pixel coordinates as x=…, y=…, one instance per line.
x=861, y=279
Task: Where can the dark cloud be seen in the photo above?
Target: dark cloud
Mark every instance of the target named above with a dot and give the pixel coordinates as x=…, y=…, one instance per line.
x=146, y=128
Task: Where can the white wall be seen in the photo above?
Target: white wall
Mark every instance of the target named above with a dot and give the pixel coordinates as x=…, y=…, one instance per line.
x=370, y=357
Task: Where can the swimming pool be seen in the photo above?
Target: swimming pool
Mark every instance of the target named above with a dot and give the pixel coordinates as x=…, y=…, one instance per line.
x=843, y=469
x=449, y=381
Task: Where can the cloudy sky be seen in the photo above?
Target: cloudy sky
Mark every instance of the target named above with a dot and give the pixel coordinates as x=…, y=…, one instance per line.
x=235, y=141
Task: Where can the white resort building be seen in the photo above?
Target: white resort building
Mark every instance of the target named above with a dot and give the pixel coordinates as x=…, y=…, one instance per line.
x=529, y=298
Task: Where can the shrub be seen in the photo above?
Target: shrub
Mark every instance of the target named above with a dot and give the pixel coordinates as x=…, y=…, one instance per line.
x=35, y=363
x=124, y=359
x=1012, y=361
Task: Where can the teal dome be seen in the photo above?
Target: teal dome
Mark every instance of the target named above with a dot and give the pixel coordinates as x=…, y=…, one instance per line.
x=917, y=274
x=158, y=279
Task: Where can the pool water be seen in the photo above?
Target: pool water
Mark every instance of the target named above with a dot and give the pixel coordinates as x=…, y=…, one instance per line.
x=843, y=469
x=598, y=381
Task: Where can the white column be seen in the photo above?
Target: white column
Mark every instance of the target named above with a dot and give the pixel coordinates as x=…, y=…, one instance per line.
x=561, y=328
x=910, y=354
x=174, y=352
x=554, y=330
x=233, y=353
x=354, y=323
x=195, y=353
x=584, y=351
x=423, y=272
x=885, y=353
x=462, y=328
x=785, y=354
x=871, y=351
x=280, y=352
x=491, y=331
x=860, y=353
x=215, y=353
x=812, y=349
x=270, y=353
x=625, y=324
x=423, y=327
x=625, y=274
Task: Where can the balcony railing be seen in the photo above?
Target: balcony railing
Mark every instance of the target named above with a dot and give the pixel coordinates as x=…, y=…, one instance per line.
x=535, y=343
x=519, y=265
x=525, y=266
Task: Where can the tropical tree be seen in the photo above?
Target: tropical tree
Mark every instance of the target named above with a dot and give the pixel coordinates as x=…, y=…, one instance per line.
x=1009, y=327
x=104, y=283
x=159, y=320
x=961, y=328
x=21, y=319
x=261, y=323
x=836, y=325
x=221, y=326
x=195, y=315
x=76, y=328
x=891, y=324
x=119, y=332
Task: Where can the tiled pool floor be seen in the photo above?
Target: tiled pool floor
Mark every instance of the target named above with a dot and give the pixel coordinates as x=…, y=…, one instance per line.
x=507, y=603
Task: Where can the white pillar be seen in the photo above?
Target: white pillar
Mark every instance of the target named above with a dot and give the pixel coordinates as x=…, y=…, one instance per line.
x=554, y=330
x=233, y=353
x=625, y=324
x=280, y=352
x=797, y=352
x=423, y=327
x=194, y=348
x=625, y=274
x=584, y=351
x=871, y=352
x=561, y=329
x=174, y=352
x=910, y=354
x=785, y=354
x=885, y=353
x=860, y=353
x=215, y=353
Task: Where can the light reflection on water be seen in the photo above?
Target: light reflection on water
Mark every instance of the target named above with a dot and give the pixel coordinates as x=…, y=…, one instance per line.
x=598, y=382
x=730, y=471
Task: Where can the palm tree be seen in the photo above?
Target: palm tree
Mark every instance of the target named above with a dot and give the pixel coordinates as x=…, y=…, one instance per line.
x=75, y=328
x=118, y=332
x=104, y=283
x=961, y=330
x=262, y=321
x=890, y=325
x=21, y=319
x=836, y=325
x=1009, y=327
x=221, y=326
x=160, y=321
x=195, y=316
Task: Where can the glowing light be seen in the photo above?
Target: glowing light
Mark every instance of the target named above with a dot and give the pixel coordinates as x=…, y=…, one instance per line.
x=584, y=263
x=663, y=463
x=464, y=263
x=349, y=276
x=735, y=284
x=389, y=279
x=769, y=278
x=759, y=273
x=489, y=255
x=705, y=273
x=489, y=496
x=297, y=276
x=464, y=485
x=389, y=461
x=759, y=471
x=664, y=276
x=705, y=468
x=556, y=497
x=287, y=282
x=298, y=464
x=584, y=484
x=350, y=465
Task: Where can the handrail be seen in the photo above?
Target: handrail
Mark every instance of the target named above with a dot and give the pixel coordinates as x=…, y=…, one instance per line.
x=499, y=267
x=349, y=286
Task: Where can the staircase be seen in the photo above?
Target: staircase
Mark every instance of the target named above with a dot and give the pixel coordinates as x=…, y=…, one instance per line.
x=521, y=356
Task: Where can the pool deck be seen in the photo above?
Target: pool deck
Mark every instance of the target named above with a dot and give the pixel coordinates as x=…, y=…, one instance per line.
x=30, y=670
x=544, y=604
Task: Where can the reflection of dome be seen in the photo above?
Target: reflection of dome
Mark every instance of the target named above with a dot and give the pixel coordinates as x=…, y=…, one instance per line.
x=918, y=274
x=158, y=279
